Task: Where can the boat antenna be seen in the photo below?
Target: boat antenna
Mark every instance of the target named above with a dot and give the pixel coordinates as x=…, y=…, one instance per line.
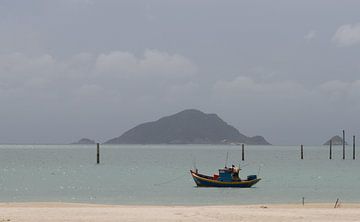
x=194, y=163
x=259, y=169
x=227, y=157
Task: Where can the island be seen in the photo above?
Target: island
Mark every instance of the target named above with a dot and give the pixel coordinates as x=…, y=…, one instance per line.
x=84, y=141
x=336, y=140
x=190, y=126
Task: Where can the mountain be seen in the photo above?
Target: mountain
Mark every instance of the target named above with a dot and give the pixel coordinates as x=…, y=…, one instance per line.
x=186, y=127
x=336, y=140
x=85, y=141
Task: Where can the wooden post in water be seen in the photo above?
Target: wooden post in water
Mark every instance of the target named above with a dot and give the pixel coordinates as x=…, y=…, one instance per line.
x=302, y=151
x=330, y=154
x=343, y=142
x=354, y=147
x=242, y=152
x=98, y=153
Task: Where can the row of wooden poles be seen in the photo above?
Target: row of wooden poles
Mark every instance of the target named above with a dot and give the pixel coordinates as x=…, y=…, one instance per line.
x=243, y=150
x=330, y=153
x=302, y=149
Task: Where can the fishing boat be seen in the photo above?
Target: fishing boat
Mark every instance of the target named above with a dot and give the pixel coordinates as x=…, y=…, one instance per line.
x=227, y=177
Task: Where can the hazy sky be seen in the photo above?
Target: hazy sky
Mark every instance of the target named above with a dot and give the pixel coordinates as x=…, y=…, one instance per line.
x=287, y=70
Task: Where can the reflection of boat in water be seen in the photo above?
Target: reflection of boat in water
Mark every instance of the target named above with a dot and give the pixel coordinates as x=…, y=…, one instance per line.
x=227, y=177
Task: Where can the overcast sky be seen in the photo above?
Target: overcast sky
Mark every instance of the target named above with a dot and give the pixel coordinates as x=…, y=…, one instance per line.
x=286, y=70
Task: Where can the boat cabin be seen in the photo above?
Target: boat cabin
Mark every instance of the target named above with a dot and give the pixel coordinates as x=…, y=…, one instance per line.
x=229, y=174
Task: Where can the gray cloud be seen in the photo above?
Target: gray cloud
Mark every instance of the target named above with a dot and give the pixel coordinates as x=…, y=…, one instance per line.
x=152, y=63
x=310, y=35
x=347, y=35
x=35, y=72
x=245, y=85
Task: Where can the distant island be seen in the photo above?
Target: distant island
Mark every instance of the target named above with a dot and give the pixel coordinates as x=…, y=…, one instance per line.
x=186, y=127
x=336, y=140
x=84, y=141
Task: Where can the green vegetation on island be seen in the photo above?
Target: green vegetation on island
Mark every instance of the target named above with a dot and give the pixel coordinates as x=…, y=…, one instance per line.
x=186, y=127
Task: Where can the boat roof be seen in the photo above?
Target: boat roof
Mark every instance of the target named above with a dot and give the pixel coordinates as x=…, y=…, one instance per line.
x=226, y=169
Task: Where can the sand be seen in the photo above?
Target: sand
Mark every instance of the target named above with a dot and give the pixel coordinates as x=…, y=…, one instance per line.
x=54, y=212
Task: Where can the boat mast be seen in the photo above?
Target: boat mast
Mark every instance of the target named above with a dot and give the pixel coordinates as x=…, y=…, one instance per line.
x=195, y=168
x=227, y=157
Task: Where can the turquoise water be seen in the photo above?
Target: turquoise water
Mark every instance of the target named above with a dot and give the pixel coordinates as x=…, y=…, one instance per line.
x=141, y=174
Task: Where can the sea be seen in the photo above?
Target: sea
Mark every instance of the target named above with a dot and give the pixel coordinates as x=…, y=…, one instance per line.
x=159, y=174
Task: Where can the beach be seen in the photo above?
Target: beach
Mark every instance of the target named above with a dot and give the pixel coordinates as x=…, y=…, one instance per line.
x=34, y=212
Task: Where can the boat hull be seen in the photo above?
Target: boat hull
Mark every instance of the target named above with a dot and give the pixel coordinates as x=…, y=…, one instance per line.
x=205, y=181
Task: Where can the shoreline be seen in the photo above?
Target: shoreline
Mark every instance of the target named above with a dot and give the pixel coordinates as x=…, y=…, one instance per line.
x=60, y=211
x=84, y=204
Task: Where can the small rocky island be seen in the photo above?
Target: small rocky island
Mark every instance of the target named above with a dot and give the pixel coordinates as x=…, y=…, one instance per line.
x=336, y=140
x=84, y=141
x=186, y=127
